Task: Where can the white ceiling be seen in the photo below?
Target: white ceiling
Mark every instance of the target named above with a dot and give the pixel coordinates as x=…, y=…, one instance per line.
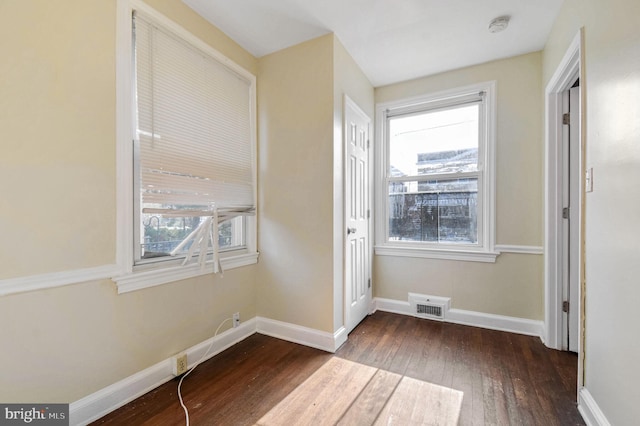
x=391, y=40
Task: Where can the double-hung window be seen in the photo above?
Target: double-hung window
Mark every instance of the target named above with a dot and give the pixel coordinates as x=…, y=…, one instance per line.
x=192, y=154
x=436, y=180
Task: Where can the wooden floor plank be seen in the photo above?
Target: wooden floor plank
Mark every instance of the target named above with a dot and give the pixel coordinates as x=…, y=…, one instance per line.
x=371, y=400
x=392, y=368
x=416, y=402
x=324, y=397
x=465, y=374
x=477, y=373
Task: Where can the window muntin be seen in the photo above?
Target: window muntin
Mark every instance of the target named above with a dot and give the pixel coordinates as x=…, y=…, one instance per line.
x=436, y=182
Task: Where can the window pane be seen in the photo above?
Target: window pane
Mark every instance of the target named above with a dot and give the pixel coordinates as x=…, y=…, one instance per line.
x=434, y=142
x=434, y=211
x=161, y=234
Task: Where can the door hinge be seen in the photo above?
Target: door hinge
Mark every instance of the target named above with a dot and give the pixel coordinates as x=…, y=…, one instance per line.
x=565, y=306
x=369, y=283
x=368, y=141
x=566, y=119
x=368, y=213
x=565, y=213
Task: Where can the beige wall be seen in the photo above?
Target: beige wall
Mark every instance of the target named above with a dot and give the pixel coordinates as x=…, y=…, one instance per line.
x=513, y=285
x=57, y=114
x=295, y=114
x=57, y=180
x=65, y=343
x=612, y=84
x=350, y=80
x=300, y=97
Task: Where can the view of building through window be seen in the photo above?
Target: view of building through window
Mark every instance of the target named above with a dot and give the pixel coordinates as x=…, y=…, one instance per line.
x=433, y=175
x=162, y=234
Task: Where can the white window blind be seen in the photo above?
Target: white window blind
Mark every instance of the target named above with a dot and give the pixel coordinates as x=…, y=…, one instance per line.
x=194, y=124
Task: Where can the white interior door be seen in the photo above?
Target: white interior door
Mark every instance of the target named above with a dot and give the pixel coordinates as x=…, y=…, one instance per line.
x=357, y=214
x=571, y=211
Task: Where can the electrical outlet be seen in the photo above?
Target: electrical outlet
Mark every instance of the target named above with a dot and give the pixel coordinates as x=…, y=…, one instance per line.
x=236, y=319
x=179, y=364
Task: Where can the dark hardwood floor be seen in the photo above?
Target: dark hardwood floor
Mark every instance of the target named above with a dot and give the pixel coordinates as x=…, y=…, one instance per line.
x=390, y=366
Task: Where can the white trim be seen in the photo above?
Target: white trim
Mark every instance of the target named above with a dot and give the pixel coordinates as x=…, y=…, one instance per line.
x=487, y=165
x=567, y=71
x=433, y=253
x=589, y=409
x=125, y=282
x=125, y=119
x=104, y=401
x=55, y=279
x=496, y=322
x=153, y=277
x=391, y=305
x=340, y=337
x=504, y=248
x=303, y=335
x=472, y=318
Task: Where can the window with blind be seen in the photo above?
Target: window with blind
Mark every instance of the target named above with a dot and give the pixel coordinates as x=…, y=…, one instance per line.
x=193, y=153
x=437, y=176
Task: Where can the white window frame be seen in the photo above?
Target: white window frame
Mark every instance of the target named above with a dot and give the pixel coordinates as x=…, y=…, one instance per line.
x=134, y=277
x=484, y=251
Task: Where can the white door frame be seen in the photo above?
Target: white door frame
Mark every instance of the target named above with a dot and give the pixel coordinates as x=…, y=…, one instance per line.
x=568, y=71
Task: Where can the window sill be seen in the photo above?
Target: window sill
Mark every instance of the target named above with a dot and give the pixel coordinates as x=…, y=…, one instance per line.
x=138, y=280
x=444, y=254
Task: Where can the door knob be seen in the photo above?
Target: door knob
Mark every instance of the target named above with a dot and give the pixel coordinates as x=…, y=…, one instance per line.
x=351, y=231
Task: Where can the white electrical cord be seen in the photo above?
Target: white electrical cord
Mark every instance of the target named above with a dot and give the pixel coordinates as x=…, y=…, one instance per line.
x=186, y=411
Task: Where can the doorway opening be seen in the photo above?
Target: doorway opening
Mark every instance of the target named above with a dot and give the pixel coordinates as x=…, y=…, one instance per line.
x=564, y=188
x=568, y=259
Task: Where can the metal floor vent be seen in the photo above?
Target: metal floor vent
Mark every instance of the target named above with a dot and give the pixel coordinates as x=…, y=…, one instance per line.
x=431, y=310
x=432, y=307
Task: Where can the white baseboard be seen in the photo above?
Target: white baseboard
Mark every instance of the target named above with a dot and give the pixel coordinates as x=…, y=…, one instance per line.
x=589, y=409
x=391, y=305
x=476, y=319
x=496, y=322
x=303, y=335
x=339, y=338
x=104, y=401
